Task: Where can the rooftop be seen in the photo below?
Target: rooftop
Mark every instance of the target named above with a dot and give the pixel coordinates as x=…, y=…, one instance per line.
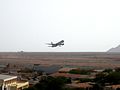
x=7, y=77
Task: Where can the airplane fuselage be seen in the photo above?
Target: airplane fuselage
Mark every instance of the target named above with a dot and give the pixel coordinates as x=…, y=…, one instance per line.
x=57, y=44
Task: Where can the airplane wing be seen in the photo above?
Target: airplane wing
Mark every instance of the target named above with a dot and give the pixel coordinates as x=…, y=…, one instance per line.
x=48, y=43
x=61, y=42
x=52, y=46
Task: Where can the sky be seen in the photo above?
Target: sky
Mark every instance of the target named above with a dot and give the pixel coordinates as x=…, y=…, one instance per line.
x=84, y=25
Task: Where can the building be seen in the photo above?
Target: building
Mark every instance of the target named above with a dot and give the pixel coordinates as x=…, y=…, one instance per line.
x=8, y=82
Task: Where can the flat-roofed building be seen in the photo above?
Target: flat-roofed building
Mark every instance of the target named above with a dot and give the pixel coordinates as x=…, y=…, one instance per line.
x=8, y=82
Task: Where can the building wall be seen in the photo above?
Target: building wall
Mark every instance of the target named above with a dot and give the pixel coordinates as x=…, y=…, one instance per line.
x=13, y=85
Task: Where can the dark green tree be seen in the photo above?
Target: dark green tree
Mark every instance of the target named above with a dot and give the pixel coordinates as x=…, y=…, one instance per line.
x=113, y=78
x=49, y=83
x=100, y=78
x=108, y=70
x=118, y=89
x=117, y=69
x=78, y=71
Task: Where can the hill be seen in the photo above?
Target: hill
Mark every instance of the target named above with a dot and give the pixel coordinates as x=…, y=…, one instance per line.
x=116, y=49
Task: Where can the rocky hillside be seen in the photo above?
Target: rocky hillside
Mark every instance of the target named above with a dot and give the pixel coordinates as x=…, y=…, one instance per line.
x=116, y=49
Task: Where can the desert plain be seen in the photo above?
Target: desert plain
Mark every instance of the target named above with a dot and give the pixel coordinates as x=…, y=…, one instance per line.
x=73, y=59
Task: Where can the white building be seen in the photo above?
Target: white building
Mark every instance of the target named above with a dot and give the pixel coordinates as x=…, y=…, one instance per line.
x=8, y=82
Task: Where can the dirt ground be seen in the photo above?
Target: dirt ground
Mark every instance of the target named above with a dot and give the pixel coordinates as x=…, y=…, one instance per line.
x=98, y=59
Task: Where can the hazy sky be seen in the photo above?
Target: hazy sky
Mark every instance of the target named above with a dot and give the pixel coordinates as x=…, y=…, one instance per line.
x=85, y=25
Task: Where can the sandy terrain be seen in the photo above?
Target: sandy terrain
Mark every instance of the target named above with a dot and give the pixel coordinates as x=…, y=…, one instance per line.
x=106, y=60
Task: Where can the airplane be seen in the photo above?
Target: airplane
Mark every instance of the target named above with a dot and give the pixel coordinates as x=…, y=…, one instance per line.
x=56, y=44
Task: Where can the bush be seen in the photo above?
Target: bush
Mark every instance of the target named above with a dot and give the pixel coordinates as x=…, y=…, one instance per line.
x=82, y=80
x=108, y=70
x=78, y=71
x=112, y=78
x=49, y=83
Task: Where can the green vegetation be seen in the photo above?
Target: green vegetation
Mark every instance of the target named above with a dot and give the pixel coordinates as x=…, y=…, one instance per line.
x=82, y=80
x=108, y=70
x=100, y=78
x=50, y=83
x=78, y=71
x=117, y=69
x=107, y=77
x=112, y=78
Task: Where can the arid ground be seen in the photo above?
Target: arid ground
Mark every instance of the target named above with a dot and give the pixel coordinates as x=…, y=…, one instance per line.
x=89, y=59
